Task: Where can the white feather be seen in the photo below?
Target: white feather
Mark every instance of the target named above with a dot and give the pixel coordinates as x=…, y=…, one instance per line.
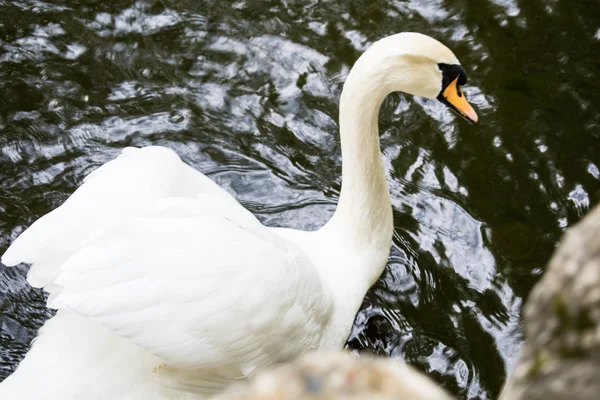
x=159, y=254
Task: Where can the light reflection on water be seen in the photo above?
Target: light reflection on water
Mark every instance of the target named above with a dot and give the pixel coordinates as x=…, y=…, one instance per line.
x=248, y=94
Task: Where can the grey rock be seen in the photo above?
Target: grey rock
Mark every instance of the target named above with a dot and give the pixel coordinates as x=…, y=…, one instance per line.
x=338, y=376
x=560, y=358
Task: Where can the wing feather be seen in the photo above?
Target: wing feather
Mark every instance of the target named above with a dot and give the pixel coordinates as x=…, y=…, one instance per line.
x=115, y=189
x=157, y=252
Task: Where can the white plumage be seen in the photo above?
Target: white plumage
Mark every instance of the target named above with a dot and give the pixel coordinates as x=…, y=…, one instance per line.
x=153, y=250
x=167, y=288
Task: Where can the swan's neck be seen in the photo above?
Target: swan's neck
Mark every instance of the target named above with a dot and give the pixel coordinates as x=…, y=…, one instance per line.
x=364, y=213
x=362, y=225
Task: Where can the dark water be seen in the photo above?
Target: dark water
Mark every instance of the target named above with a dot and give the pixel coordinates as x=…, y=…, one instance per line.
x=247, y=92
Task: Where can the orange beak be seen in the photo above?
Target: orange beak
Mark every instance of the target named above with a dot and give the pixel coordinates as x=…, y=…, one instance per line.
x=454, y=98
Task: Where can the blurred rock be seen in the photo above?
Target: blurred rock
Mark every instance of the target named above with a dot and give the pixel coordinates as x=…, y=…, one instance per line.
x=338, y=376
x=560, y=357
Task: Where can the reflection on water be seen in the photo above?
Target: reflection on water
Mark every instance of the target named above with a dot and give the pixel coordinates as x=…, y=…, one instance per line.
x=248, y=93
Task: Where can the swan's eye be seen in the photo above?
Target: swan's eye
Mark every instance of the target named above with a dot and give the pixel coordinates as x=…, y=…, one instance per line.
x=451, y=73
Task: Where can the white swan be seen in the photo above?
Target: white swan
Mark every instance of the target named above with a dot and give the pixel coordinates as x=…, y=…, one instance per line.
x=167, y=288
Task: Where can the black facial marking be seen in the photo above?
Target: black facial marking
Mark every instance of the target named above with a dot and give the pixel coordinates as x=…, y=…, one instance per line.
x=450, y=72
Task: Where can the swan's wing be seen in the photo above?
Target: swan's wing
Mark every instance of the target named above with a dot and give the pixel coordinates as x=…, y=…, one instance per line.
x=196, y=288
x=108, y=194
x=182, y=271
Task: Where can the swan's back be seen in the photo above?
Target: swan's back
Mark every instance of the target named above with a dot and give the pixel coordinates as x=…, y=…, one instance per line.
x=153, y=267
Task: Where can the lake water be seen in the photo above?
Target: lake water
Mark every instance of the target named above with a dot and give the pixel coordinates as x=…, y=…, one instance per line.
x=247, y=92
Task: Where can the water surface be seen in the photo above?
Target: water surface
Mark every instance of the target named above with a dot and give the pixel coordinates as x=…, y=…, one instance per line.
x=247, y=92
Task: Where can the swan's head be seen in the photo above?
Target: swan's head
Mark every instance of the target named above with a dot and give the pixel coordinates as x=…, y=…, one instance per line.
x=419, y=65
